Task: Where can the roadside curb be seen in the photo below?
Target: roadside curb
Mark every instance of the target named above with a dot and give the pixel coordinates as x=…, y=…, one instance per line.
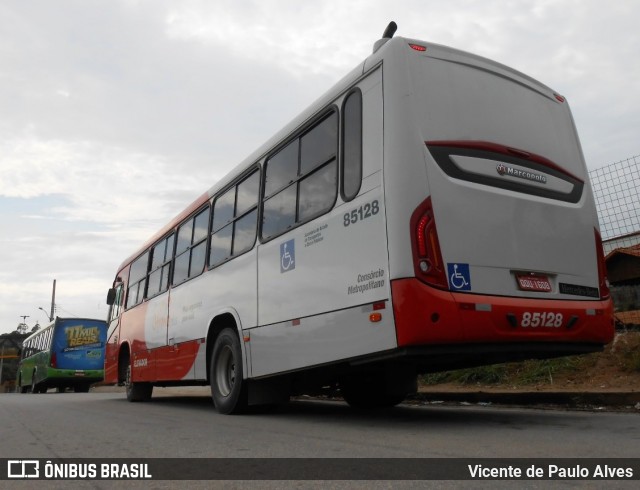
x=567, y=399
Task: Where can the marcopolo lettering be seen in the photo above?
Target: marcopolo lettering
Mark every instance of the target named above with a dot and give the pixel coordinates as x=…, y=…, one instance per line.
x=521, y=174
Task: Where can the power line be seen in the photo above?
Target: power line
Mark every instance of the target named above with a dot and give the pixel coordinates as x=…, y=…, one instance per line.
x=58, y=307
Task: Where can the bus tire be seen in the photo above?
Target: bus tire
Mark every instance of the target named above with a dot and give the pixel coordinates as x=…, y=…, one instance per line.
x=228, y=389
x=137, y=392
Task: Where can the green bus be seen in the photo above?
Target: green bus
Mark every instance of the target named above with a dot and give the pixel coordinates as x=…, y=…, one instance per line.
x=69, y=353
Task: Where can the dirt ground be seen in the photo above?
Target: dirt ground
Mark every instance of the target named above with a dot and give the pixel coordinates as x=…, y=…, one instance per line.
x=617, y=369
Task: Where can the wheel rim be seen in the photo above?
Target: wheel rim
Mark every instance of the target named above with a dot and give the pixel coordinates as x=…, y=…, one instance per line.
x=225, y=371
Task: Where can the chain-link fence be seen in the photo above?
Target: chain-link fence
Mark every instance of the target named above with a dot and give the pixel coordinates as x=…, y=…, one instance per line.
x=616, y=188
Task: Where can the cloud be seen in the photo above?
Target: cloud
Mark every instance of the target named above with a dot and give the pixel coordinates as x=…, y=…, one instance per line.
x=298, y=37
x=101, y=183
x=76, y=210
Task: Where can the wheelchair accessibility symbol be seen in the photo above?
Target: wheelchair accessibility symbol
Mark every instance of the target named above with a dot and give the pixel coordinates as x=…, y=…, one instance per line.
x=287, y=256
x=459, y=277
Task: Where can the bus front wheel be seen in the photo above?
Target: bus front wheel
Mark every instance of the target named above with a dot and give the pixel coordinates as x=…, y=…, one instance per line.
x=137, y=392
x=228, y=389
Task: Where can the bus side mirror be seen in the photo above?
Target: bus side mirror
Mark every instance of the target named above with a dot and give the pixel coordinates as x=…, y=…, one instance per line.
x=111, y=296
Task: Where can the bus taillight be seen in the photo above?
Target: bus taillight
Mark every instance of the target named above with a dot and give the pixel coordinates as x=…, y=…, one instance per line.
x=54, y=360
x=427, y=257
x=602, y=268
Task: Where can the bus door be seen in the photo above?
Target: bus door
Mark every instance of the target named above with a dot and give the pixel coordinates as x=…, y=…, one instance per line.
x=116, y=298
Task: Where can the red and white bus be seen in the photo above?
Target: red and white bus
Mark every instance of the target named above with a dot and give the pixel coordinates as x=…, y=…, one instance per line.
x=431, y=211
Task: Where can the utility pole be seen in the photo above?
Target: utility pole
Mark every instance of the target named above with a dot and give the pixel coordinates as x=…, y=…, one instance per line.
x=1, y=363
x=53, y=301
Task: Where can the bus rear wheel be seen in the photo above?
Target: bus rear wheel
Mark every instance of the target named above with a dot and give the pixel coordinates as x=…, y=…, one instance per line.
x=137, y=392
x=228, y=390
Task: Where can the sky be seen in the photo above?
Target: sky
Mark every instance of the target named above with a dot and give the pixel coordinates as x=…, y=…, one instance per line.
x=115, y=115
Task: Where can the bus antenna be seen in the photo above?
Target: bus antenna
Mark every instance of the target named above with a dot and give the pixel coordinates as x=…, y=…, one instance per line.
x=386, y=35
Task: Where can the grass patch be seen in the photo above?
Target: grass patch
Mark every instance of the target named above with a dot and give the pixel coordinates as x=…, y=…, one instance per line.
x=632, y=362
x=629, y=355
x=543, y=371
x=514, y=373
x=620, y=361
x=493, y=374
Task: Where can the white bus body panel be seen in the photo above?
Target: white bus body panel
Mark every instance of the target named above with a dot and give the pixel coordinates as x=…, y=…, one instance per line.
x=446, y=95
x=337, y=271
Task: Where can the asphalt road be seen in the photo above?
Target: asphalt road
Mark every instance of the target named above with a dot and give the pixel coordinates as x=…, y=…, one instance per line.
x=105, y=425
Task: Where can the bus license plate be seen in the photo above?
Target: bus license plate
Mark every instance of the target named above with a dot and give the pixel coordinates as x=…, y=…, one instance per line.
x=537, y=282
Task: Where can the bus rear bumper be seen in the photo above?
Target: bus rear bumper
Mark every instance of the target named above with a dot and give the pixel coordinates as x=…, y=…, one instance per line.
x=428, y=316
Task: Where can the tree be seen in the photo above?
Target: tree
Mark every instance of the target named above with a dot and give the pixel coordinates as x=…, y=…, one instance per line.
x=11, y=346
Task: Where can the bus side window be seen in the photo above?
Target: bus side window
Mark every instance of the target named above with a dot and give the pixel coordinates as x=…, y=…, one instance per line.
x=301, y=180
x=317, y=189
x=191, y=247
x=117, y=304
x=233, y=227
x=351, y=165
x=138, y=280
x=161, y=256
